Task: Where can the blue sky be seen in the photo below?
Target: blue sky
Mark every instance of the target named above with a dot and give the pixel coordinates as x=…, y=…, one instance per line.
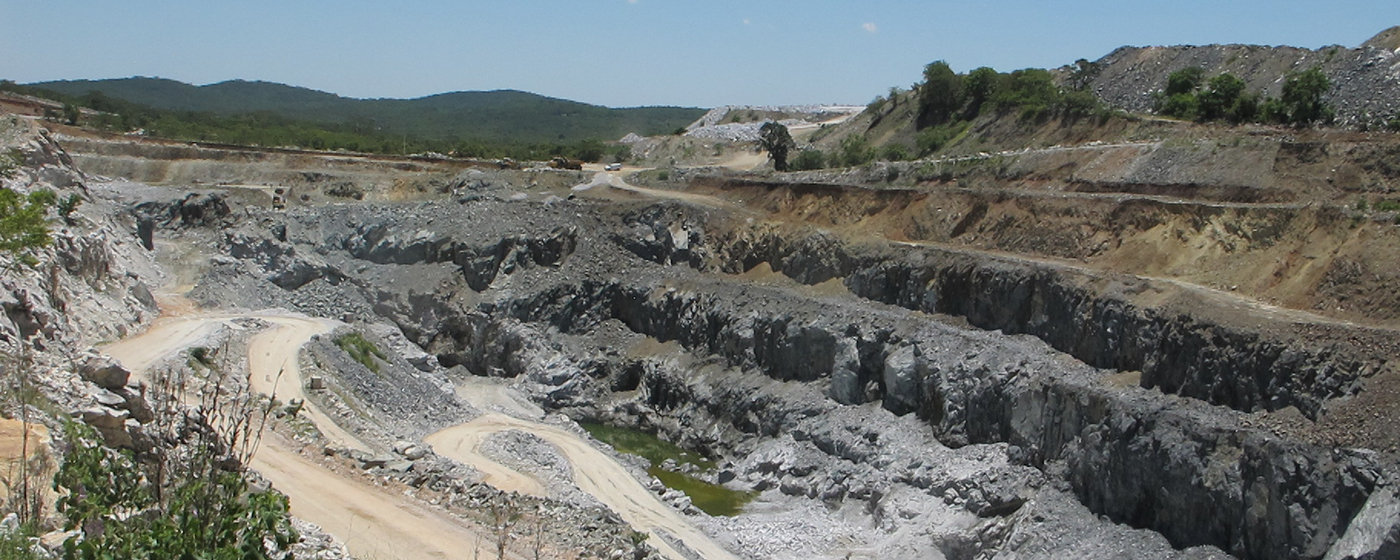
x=629, y=52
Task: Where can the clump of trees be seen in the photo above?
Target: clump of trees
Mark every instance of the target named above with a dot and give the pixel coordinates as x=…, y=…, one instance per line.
x=946, y=96
x=774, y=138
x=948, y=101
x=1188, y=95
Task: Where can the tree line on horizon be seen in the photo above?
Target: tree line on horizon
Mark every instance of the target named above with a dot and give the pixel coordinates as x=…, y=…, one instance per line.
x=271, y=130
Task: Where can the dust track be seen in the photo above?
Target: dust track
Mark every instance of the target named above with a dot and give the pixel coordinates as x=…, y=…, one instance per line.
x=595, y=473
x=372, y=522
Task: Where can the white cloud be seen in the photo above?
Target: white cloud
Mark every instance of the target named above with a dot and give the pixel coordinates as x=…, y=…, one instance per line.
x=748, y=21
x=870, y=26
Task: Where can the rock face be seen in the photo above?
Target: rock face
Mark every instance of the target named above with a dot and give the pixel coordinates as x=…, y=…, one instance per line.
x=86, y=287
x=858, y=400
x=1177, y=353
x=105, y=373
x=1127, y=456
x=81, y=291
x=971, y=404
x=480, y=264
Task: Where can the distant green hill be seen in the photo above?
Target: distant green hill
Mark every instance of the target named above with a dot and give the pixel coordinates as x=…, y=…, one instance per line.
x=503, y=115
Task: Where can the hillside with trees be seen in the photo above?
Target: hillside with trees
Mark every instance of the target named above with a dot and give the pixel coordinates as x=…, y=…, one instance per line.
x=504, y=115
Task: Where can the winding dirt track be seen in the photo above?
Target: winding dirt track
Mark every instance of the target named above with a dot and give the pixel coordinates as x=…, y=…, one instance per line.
x=372, y=522
x=616, y=182
x=595, y=473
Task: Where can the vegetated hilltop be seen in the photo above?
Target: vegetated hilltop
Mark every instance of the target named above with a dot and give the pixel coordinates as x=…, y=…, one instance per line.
x=948, y=113
x=1365, y=80
x=499, y=115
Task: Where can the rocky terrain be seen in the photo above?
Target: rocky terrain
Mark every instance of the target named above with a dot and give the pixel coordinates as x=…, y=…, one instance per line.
x=1125, y=338
x=1366, y=78
x=873, y=381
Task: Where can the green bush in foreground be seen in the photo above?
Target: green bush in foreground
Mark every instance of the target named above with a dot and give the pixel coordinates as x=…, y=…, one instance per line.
x=15, y=546
x=210, y=515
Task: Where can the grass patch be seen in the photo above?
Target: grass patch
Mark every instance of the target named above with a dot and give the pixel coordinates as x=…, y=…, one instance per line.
x=15, y=546
x=361, y=350
x=1384, y=205
x=710, y=498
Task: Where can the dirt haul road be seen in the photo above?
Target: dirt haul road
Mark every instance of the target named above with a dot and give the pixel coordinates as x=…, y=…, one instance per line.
x=372, y=522
x=595, y=473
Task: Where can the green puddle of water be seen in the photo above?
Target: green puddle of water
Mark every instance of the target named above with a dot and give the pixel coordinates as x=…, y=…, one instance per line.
x=710, y=498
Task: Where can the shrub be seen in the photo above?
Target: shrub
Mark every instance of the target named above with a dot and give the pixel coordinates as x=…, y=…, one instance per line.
x=1075, y=104
x=775, y=138
x=980, y=86
x=1273, y=111
x=10, y=162
x=1220, y=100
x=123, y=513
x=933, y=139
x=875, y=105
x=67, y=205
x=1181, y=106
x=1385, y=205
x=1186, y=80
x=621, y=154
x=1033, y=90
x=590, y=150
x=1302, y=94
x=24, y=223
x=894, y=152
x=855, y=151
x=1246, y=108
x=808, y=160
x=15, y=546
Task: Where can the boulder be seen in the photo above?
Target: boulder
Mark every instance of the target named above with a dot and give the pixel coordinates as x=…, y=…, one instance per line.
x=845, y=373
x=1375, y=531
x=105, y=372
x=104, y=418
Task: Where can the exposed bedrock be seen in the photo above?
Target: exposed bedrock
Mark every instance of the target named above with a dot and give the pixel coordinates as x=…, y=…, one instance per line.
x=480, y=263
x=1093, y=316
x=1191, y=471
x=1197, y=473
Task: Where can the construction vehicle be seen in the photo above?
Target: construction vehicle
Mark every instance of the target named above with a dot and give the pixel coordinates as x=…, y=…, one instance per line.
x=560, y=162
